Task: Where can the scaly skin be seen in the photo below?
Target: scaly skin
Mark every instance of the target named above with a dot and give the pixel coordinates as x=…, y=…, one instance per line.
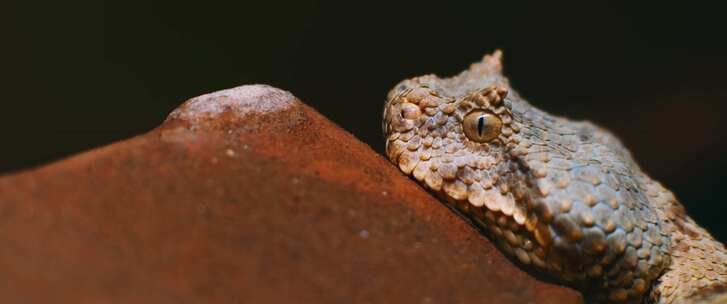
x=560, y=197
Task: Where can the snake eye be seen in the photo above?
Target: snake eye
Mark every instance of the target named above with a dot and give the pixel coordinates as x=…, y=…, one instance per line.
x=481, y=126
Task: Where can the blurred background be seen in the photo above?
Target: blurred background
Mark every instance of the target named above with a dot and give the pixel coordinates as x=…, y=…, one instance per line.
x=85, y=74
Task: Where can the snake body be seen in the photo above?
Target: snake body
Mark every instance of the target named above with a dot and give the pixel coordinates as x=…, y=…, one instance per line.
x=560, y=197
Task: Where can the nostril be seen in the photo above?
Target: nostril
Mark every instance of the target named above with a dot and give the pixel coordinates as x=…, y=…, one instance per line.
x=410, y=111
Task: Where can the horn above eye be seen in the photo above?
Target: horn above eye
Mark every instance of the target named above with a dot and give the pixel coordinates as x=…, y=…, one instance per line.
x=481, y=126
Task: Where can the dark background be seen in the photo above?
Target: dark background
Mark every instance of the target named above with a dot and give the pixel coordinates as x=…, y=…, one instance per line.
x=84, y=74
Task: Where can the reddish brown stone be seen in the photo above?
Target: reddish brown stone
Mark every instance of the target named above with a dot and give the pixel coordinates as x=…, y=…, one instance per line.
x=243, y=196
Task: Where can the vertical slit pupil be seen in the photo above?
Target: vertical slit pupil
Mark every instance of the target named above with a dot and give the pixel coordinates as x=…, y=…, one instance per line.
x=481, y=125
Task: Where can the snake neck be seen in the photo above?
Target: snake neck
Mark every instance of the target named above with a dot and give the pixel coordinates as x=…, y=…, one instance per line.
x=698, y=269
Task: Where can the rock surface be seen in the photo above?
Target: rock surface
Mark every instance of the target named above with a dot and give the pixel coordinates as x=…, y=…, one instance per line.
x=243, y=196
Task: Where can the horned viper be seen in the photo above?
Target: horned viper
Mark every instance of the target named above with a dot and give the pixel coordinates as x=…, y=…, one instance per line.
x=560, y=197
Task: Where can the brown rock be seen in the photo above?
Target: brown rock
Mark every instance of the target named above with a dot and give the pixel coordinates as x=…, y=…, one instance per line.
x=243, y=196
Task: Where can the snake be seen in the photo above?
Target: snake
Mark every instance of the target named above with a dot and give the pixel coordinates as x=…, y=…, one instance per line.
x=559, y=197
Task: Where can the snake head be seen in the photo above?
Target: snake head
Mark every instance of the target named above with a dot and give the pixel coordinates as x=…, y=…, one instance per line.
x=455, y=136
x=560, y=196
x=432, y=136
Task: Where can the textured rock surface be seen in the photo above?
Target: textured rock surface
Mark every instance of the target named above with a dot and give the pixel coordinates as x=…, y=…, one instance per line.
x=244, y=195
